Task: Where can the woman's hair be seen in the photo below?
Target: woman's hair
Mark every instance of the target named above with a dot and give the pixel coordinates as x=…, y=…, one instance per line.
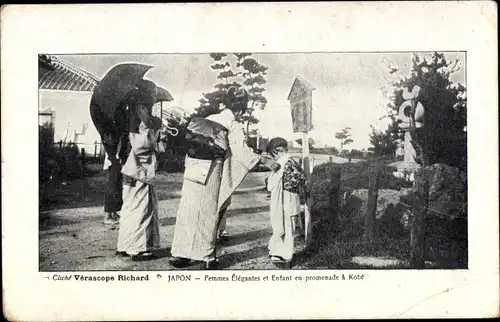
x=237, y=99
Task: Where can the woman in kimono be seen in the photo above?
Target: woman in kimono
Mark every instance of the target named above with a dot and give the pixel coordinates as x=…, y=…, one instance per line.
x=285, y=186
x=202, y=200
x=138, y=236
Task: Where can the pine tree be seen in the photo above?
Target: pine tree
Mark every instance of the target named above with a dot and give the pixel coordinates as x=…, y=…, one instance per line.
x=384, y=143
x=250, y=75
x=253, y=73
x=210, y=102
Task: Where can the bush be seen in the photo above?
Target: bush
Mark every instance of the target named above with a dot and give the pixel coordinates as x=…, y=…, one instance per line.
x=327, y=150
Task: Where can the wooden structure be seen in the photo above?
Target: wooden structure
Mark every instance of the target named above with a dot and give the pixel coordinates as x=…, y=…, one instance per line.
x=300, y=98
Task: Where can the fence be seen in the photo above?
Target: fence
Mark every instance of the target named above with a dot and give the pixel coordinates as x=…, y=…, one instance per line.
x=319, y=159
x=91, y=151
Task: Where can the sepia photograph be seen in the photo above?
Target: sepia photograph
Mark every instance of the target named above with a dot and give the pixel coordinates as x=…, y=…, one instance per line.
x=253, y=161
x=239, y=161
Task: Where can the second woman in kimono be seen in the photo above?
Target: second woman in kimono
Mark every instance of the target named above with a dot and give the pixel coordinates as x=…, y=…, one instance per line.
x=139, y=231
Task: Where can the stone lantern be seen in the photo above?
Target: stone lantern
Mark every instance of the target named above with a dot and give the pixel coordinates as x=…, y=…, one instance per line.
x=404, y=116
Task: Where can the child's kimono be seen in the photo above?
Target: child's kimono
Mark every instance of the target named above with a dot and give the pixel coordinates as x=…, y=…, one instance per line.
x=284, y=186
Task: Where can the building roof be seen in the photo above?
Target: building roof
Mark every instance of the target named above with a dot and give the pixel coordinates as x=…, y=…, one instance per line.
x=57, y=74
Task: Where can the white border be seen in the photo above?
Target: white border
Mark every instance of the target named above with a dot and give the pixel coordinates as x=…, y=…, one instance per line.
x=28, y=30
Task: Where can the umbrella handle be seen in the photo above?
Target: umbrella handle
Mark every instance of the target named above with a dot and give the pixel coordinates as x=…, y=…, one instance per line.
x=172, y=131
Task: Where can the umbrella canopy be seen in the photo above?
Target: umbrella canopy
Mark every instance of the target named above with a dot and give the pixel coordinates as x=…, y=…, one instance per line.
x=116, y=85
x=163, y=95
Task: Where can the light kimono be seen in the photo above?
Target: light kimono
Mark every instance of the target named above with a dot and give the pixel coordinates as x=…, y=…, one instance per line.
x=139, y=230
x=206, y=188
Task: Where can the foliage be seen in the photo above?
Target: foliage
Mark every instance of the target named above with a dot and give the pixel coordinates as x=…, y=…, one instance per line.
x=45, y=150
x=210, y=102
x=327, y=150
x=344, y=136
x=56, y=164
x=253, y=73
x=247, y=73
x=311, y=143
x=356, y=154
x=383, y=143
x=445, y=103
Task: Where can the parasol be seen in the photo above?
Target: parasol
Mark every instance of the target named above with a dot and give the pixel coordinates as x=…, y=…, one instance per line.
x=116, y=85
x=163, y=95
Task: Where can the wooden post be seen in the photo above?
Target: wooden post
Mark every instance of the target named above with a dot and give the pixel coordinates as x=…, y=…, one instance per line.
x=102, y=155
x=305, y=154
x=371, y=206
x=417, y=235
x=305, y=166
x=334, y=192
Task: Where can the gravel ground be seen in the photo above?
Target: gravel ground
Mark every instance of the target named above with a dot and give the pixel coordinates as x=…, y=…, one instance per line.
x=73, y=238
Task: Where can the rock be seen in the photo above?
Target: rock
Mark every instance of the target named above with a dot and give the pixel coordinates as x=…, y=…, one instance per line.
x=355, y=204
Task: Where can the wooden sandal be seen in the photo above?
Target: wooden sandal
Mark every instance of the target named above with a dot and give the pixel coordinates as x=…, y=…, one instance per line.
x=275, y=258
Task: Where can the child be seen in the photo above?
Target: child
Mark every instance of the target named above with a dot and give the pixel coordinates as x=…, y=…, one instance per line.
x=284, y=185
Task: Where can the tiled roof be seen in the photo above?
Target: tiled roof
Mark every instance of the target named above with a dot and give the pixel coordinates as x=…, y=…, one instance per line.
x=56, y=74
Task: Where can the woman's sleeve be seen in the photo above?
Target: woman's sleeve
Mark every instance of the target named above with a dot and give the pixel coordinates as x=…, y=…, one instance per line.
x=240, y=151
x=294, y=174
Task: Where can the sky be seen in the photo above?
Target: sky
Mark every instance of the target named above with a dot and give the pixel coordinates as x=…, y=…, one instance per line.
x=348, y=86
